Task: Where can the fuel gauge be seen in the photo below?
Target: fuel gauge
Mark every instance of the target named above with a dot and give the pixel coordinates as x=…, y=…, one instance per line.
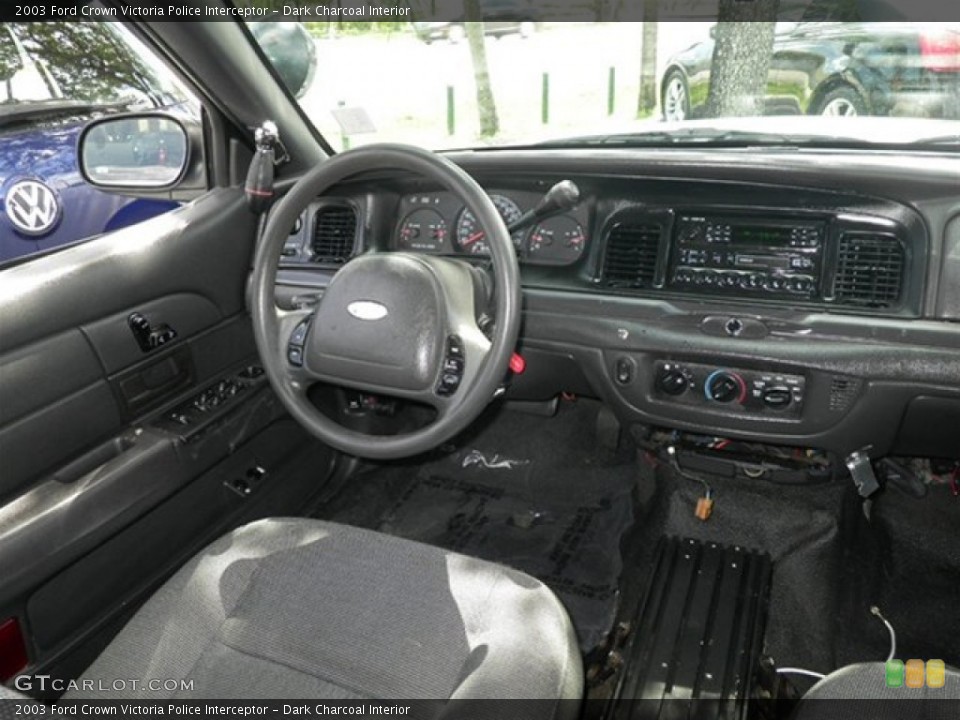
x=423, y=229
x=556, y=241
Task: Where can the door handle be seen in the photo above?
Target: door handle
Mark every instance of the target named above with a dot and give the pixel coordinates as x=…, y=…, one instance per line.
x=148, y=337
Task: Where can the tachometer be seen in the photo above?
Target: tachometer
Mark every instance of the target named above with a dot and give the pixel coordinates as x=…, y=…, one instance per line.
x=472, y=239
x=423, y=229
x=557, y=241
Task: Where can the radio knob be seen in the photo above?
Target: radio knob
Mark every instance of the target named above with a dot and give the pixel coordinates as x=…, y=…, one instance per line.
x=672, y=381
x=724, y=387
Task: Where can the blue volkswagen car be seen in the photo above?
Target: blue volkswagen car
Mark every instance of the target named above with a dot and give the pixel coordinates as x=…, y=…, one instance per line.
x=55, y=77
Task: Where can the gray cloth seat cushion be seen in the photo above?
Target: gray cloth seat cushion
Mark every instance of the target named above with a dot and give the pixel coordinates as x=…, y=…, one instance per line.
x=294, y=608
x=866, y=682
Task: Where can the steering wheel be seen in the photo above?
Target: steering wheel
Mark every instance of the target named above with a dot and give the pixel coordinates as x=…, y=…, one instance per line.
x=390, y=323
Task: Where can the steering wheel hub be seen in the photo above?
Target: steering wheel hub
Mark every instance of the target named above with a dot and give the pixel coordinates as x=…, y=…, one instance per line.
x=380, y=324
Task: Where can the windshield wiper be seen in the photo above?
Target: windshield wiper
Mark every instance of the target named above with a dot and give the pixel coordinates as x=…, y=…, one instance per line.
x=31, y=110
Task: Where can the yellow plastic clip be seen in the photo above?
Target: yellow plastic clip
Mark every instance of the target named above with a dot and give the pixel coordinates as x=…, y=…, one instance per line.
x=704, y=508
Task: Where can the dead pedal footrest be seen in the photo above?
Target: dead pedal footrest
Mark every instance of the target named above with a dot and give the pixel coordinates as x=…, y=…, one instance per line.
x=698, y=633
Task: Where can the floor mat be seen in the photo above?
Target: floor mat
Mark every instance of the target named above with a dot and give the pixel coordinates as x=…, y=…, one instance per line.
x=551, y=515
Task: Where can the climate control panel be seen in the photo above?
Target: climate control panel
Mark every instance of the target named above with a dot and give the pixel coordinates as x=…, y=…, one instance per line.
x=753, y=391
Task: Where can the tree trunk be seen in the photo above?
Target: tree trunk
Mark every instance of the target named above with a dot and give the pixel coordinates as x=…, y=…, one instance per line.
x=486, y=106
x=647, y=100
x=741, y=58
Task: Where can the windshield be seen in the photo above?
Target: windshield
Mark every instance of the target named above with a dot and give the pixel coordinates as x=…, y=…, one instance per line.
x=518, y=79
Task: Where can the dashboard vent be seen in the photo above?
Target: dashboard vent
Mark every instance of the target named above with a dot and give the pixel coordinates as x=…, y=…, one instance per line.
x=334, y=232
x=630, y=256
x=843, y=391
x=869, y=270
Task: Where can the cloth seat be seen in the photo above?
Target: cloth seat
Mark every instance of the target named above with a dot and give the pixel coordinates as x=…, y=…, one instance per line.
x=866, y=684
x=295, y=608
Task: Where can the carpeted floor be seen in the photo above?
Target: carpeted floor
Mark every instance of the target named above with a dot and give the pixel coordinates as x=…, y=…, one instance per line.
x=539, y=495
x=830, y=564
x=532, y=493
x=907, y=562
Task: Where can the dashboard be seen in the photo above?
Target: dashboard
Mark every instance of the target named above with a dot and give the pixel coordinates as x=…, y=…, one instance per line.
x=802, y=298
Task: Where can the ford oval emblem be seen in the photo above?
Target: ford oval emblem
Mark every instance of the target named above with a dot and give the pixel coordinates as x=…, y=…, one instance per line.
x=367, y=310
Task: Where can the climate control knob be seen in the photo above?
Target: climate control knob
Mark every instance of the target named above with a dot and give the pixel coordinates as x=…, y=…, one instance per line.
x=672, y=381
x=723, y=387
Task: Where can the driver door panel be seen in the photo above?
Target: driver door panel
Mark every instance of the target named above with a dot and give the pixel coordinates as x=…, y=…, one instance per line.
x=84, y=460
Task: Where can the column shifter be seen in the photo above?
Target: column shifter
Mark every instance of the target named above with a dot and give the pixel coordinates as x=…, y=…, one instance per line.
x=563, y=196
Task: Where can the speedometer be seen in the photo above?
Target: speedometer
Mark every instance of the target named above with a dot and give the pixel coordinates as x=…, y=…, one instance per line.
x=472, y=239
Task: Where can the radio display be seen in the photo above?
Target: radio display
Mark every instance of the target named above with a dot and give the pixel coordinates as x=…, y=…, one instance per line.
x=747, y=235
x=763, y=261
x=748, y=255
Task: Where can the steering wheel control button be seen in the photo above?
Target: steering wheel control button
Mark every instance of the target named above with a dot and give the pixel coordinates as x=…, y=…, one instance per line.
x=299, y=335
x=298, y=338
x=454, y=364
x=454, y=346
x=295, y=355
x=448, y=384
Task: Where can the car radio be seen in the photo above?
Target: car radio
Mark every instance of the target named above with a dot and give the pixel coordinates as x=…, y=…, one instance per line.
x=746, y=255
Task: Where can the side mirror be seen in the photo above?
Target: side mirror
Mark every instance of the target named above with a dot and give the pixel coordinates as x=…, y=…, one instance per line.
x=291, y=50
x=141, y=154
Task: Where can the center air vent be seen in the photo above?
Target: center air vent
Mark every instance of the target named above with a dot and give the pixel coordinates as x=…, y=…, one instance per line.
x=334, y=233
x=869, y=270
x=630, y=257
x=843, y=391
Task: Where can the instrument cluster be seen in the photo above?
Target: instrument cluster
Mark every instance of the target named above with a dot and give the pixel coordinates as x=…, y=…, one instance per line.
x=438, y=223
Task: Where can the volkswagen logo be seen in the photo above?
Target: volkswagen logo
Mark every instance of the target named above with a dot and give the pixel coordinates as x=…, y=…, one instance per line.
x=32, y=207
x=367, y=310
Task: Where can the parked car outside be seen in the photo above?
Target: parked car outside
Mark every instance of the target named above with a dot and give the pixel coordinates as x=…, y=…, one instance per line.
x=500, y=17
x=837, y=69
x=55, y=77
